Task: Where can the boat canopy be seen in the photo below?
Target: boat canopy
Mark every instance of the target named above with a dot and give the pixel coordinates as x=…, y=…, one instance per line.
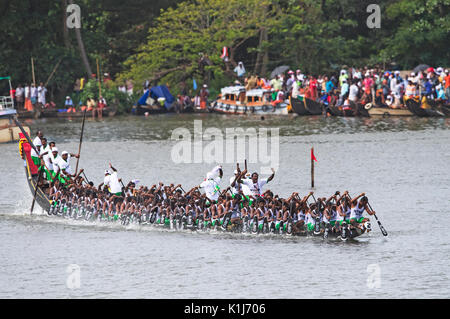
x=156, y=92
x=235, y=90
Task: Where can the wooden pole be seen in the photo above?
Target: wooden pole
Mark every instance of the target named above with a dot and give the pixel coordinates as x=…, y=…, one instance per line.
x=81, y=140
x=32, y=72
x=98, y=79
x=53, y=72
x=312, y=168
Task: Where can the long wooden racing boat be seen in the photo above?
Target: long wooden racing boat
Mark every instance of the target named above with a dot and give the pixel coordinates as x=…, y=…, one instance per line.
x=65, y=210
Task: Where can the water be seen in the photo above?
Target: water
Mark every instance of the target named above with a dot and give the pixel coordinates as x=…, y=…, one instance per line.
x=401, y=164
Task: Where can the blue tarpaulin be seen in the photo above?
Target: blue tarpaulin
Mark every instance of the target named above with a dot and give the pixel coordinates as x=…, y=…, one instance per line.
x=157, y=92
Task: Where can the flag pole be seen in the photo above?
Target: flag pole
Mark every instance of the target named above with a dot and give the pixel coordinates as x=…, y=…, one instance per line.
x=312, y=167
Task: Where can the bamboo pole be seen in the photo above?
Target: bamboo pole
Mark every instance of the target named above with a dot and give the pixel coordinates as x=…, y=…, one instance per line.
x=32, y=72
x=99, y=82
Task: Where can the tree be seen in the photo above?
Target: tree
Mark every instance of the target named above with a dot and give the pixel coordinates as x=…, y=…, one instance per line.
x=184, y=37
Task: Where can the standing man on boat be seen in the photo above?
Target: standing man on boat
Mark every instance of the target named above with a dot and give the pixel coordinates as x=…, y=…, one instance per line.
x=255, y=184
x=211, y=184
x=112, y=181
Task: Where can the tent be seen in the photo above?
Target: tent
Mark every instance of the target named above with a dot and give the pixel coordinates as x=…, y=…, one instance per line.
x=158, y=92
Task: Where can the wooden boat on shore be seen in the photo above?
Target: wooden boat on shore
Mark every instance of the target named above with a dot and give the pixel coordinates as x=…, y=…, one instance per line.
x=236, y=100
x=425, y=109
x=107, y=112
x=313, y=107
x=352, y=110
x=305, y=106
x=298, y=106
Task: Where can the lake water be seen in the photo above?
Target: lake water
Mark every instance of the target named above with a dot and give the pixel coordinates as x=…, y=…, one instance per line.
x=401, y=164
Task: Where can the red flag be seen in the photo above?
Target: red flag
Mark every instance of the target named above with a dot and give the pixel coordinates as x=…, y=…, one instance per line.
x=313, y=158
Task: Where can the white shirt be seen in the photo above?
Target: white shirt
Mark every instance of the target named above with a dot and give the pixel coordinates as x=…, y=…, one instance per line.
x=112, y=181
x=20, y=92
x=353, y=95
x=234, y=190
x=27, y=92
x=34, y=92
x=41, y=94
x=48, y=158
x=255, y=188
x=211, y=188
x=59, y=164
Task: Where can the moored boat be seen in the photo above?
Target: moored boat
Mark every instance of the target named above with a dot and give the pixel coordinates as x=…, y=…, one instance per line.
x=235, y=100
x=424, y=108
x=298, y=106
x=386, y=111
x=313, y=107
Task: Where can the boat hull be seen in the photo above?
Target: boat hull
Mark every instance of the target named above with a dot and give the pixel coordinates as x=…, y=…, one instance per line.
x=386, y=112
x=299, y=107
x=243, y=109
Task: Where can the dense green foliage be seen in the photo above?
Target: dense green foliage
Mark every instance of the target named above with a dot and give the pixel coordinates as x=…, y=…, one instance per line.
x=180, y=40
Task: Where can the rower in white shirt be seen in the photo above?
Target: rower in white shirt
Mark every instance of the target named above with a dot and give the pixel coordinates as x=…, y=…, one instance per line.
x=61, y=164
x=37, y=143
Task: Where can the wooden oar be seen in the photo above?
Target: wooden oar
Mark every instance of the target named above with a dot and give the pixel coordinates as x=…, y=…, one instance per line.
x=383, y=231
x=86, y=177
x=81, y=140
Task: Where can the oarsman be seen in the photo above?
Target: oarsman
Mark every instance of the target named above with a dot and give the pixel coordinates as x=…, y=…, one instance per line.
x=47, y=156
x=255, y=184
x=211, y=183
x=37, y=143
x=61, y=165
x=45, y=150
x=357, y=210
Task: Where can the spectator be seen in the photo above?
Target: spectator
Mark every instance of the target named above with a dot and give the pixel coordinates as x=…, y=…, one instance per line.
x=20, y=97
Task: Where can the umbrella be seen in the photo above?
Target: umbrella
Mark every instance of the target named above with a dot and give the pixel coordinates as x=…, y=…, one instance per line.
x=420, y=68
x=278, y=70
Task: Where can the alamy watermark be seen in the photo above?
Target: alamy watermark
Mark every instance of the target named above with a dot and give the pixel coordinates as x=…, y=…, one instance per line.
x=73, y=280
x=374, y=19
x=231, y=147
x=74, y=18
x=374, y=278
